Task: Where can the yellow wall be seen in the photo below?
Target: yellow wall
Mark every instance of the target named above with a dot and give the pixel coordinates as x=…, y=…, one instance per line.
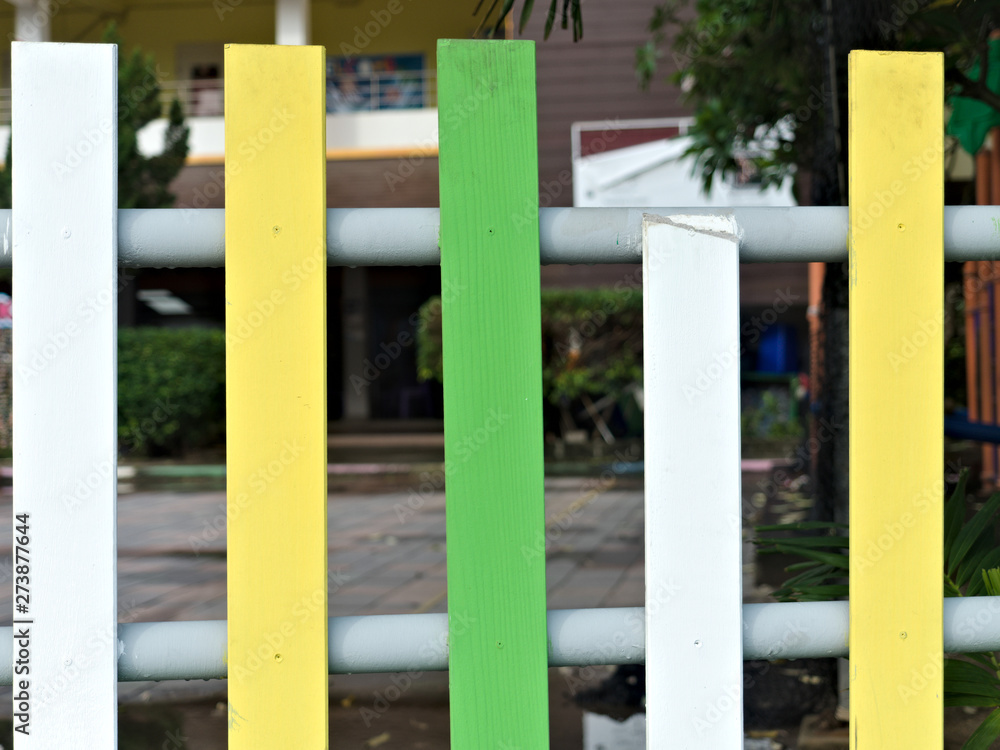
x=414, y=27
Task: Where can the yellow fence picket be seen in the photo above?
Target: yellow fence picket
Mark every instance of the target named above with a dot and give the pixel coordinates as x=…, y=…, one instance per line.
x=896, y=399
x=276, y=396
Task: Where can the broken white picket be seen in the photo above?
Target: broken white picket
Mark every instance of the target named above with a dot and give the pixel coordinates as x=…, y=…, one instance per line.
x=694, y=658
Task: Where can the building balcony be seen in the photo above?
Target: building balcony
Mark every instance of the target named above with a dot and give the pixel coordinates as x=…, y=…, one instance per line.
x=362, y=91
x=369, y=115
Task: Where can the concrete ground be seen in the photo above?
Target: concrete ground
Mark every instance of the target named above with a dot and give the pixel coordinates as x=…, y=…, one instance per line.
x=384, y=557
x=387, y=556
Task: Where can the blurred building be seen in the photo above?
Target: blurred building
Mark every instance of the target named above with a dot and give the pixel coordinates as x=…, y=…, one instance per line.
x=381, y=144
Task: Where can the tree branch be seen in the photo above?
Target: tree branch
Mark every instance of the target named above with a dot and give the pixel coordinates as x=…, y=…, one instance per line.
x=974, y=89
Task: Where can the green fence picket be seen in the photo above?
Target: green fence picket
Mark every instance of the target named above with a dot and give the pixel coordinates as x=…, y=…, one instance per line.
x=493, y=394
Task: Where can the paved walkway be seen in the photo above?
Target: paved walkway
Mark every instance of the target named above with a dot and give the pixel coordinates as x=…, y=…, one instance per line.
x=386, y=556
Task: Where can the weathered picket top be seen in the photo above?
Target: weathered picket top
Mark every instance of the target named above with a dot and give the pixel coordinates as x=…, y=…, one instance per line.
x=693, y=634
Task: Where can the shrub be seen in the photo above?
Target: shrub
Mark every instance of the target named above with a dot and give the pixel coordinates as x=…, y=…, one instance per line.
x=171, y=389
x=591, y=341
x=971, y=557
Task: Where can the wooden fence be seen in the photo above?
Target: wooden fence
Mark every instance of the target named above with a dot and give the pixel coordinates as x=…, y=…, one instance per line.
x=68, y=651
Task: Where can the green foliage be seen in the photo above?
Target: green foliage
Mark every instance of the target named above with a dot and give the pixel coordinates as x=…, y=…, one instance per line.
x=961, y=30
x=955, y=385
x=971, y=560
x=429, y=364
x=143, y=181
x=570, y=13
x=748, y=69
x=171, y=389
x=975, y=681
x=591, y=341
x=770, y=420
x=752, y=71
x=6, y=186
x=970, y=549
x=820, y=576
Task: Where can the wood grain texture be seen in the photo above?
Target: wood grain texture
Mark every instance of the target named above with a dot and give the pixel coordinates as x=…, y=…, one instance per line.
x=65, y=364
x=691, y=375
x=896, y=398
x=276, y=396
x=492, y=397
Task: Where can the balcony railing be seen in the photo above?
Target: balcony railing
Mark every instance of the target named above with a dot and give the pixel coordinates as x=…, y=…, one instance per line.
x=404, y=89
x=198, y=98
x=401, y=89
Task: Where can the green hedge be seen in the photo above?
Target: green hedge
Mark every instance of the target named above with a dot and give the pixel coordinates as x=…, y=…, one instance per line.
x=591, y=341
x=171, y=390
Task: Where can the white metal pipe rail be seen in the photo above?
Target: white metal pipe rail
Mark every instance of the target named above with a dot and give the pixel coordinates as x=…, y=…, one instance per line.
x=578, y=637
x=189, y=238
x=180, y=238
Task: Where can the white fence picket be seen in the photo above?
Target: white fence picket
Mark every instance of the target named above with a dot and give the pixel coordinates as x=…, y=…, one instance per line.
x=65, y=193
x=694, y=659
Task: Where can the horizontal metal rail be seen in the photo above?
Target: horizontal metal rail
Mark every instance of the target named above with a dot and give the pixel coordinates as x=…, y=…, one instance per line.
x=190, y=238
x=577, y=637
